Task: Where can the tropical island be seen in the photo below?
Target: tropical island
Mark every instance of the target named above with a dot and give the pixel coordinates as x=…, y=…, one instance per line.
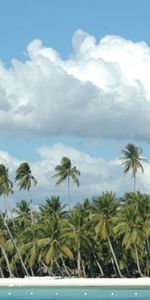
x=104, y=236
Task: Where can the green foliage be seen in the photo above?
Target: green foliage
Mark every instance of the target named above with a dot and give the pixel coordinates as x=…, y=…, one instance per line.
x=52, y=207
x=102, y=236
x=132, y=160
x=6, y=184
x=65, y=171
x=24, y=177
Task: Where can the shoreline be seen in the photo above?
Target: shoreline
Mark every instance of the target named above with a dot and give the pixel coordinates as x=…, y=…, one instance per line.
x=75, y=282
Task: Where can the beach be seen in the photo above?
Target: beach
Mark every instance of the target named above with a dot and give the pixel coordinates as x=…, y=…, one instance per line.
x=101, y=282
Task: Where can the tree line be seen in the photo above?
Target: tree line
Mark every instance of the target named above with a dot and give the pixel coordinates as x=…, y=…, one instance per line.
x=105, y=236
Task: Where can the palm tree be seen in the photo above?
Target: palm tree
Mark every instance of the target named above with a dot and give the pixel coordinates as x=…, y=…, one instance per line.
x=66, y=171
x=78, y=235
x=104, y=210
x=23, y=213
x=52, y=207
x=29, y=246
x=85, y=207
x=4, y=241
x=53, y=243
x=132, y=160
x=6, y=186
x=24, y=178
x=130, y=228
x=14, y=243
x=141, y=203
x=22, y=208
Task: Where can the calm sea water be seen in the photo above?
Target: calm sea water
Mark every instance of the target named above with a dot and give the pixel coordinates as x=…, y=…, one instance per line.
x=73, y=293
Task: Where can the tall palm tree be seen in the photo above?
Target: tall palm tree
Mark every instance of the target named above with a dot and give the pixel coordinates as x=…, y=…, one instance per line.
x=65, y=171
x=25, y=178
x=6, y=186
x=132, y=160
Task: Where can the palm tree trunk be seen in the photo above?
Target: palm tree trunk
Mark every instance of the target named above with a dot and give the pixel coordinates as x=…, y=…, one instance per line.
x=147, y=257
x=15, y=246
x=44, y=267
x=50, y=270
x=58, y=266
x=1, y=272
x=148, y=246
x=11, y=275
x=32, y=272
x=113, y=266
x=83, y=268
x=79, y=261
x=7, y=209
x=128, y=273
x=5, y=206
x=31, y=212
x=147, y=272
x=137, y=261
x=134, y=182
x=69, y=200
x=99, y=266
x=90, y=268
x=65, y=267
x=114, y=257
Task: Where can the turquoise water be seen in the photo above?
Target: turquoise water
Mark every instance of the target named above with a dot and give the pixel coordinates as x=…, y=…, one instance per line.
x=73, y=293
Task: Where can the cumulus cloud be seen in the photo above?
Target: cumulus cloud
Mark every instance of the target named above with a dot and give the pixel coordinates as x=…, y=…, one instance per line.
x=97, y=175
x=101, y=91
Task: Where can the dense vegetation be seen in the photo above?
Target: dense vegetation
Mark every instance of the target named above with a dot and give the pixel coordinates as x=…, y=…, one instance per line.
x=104, y=236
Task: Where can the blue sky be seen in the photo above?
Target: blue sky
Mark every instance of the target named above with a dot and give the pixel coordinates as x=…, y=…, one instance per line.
x=55, y=23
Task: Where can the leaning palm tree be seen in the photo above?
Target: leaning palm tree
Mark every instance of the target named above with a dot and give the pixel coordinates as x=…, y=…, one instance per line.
x=132, y=161
x=14, y=243
x=6, y=186
x=25, y=178
x=66, y=171
x=4, y=244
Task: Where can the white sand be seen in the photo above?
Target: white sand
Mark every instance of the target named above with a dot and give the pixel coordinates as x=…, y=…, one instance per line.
x=48, y=281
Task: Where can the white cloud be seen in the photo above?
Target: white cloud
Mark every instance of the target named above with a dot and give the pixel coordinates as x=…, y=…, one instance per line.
x=97, y=175
x=101, y=91
x=10, y=162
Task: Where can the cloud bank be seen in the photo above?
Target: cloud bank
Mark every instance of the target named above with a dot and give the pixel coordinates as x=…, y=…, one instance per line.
x=101, y=91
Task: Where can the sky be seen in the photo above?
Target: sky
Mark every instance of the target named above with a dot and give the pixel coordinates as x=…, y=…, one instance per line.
x=74, y=81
